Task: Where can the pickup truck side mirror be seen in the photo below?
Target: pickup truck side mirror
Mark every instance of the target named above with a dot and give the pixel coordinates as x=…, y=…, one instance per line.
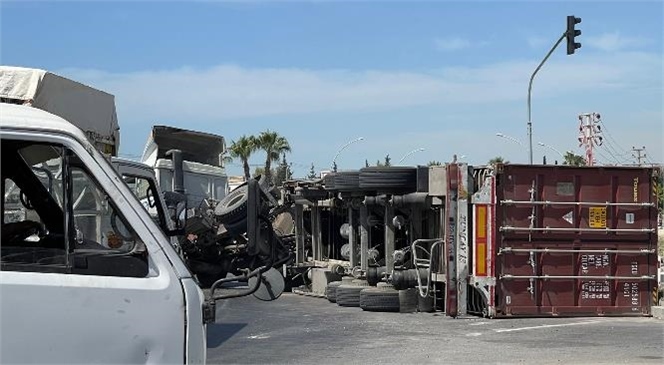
x=176, y=203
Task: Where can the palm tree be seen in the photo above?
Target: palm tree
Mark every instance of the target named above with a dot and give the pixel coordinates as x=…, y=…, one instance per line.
x=243, y=148
x=573, y=159
x=274, y=146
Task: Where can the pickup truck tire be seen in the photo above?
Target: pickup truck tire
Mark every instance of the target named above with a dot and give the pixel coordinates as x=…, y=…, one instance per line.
x=389, y=179
x=331, y=291
x=382, y=298
x=347, y=181
x=348, y=295
x=233, y=207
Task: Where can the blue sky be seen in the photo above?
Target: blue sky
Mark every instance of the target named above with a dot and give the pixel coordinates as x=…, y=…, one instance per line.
x=443, y=76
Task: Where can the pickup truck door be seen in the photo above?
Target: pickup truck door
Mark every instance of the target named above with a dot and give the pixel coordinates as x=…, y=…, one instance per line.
x=84, y=275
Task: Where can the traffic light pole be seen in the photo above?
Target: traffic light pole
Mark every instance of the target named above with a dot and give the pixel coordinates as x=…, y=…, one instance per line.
x=530, y=88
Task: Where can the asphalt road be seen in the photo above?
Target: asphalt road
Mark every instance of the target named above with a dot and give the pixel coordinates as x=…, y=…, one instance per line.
x=304, y=330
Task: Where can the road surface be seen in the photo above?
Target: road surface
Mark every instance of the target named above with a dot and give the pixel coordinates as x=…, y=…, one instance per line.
x=304, y=330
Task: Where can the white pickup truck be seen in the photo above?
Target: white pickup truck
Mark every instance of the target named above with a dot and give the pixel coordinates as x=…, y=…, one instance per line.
x=105, y=290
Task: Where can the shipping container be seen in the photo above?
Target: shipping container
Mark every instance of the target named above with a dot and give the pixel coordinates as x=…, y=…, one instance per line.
x=566, y=241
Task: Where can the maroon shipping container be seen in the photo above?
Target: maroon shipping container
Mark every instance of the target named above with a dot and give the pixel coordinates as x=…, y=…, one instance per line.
x=574, y=241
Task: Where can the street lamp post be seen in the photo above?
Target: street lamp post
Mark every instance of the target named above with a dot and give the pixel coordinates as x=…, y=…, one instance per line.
x=334, y=160
x=501, y=135
x=551, y=148
x=410, y=153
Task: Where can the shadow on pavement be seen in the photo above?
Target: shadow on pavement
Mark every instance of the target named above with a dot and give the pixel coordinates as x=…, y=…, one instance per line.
x=219, y=333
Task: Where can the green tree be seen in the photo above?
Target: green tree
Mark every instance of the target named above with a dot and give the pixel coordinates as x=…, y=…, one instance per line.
x=243, y=148
x=366, y=163
x=283, y=171
x=572, y=159
x=388, y=160
x=434, y=163
x=274, y=146
x=312, y=173
x=497, y=160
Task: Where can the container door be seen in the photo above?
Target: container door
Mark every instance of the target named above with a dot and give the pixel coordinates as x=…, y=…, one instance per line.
x=82, y=280
x=575, y=241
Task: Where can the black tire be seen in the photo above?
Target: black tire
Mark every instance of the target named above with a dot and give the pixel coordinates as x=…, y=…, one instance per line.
x=347, y=181
x=389, y=179
x=383, y=298
x=408, y=300
x=328, y=181
x=349, y=295
x=233, y=208
x=331, y=291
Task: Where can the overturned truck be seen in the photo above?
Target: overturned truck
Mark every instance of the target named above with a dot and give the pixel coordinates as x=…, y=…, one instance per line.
x=500, y=241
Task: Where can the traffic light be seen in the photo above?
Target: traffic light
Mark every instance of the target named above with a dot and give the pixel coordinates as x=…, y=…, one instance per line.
x=572, y=33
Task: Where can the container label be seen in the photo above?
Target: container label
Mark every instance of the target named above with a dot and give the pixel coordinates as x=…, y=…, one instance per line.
x=629, y=218
x=565, y=189
x=597, y=217
x=569, y=217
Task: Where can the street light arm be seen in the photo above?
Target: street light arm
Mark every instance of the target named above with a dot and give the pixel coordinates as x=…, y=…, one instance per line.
x=334, y=160
x=410, y=153
x=530, y=88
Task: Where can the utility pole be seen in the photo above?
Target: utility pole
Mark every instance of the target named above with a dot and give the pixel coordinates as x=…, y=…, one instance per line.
x=590, y=134
x=636, y=153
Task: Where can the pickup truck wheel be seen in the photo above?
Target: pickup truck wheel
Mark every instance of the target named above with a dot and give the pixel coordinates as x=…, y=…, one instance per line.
x=348, y=295
x=389, y=179
x=331, y=291
x=382, y=298
x=233, y=208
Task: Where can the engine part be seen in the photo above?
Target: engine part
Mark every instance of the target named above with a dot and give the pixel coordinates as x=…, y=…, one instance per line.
x=404, y=279
x=375, y=274
x=399, y=257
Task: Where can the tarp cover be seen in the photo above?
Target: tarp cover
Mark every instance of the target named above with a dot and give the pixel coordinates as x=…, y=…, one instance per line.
x=90, y=109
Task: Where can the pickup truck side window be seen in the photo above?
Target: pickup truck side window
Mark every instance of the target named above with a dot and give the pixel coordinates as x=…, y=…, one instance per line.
x=57, y=218
x=148, y=194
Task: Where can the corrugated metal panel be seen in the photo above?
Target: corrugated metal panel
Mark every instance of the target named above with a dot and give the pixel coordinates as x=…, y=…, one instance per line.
x=575, y=241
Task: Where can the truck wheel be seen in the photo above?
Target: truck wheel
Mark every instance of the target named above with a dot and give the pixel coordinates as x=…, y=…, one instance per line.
x=328, y=181
x=382, y=298
x=233, y=208
x=392, y=179
x=347, y=181
x=348, y=295
x=331, y=291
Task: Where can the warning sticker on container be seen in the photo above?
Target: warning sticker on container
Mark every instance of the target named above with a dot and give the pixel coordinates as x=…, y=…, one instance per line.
x=629, y=218
x=597, y=217
x=569, y=217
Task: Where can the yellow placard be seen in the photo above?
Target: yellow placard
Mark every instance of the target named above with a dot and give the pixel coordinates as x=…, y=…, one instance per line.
x=597, y=217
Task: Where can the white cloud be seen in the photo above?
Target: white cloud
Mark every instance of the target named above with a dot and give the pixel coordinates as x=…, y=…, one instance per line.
x=611, y=42
x=451, y=44
x=228, y=92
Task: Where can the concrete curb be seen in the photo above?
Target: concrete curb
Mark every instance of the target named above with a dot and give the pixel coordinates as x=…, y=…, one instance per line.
x=657, y=312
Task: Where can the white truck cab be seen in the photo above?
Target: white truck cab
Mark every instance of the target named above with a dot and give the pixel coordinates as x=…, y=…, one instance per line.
x=87, y=276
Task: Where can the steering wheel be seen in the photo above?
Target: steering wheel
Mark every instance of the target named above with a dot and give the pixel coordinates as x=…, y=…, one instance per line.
x=19, y=231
